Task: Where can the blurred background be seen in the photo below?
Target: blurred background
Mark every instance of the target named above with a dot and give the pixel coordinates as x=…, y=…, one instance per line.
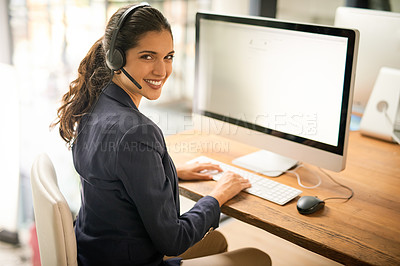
x=41, y=45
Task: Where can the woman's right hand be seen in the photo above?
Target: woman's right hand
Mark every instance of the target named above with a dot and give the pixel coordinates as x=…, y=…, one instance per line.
x=228, y=186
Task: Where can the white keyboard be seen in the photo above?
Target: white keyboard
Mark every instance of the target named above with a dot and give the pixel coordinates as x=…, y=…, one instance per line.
x=260, y=186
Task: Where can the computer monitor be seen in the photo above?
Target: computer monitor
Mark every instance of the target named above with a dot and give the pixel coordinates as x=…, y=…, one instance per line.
x=379, y=47
x=280, y=86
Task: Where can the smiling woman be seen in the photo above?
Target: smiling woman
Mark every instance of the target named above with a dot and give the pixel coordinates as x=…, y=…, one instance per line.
x=150, y=64
x=130, y=200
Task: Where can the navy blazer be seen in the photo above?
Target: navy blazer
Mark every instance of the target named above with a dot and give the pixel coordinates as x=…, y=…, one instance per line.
x=130, y=201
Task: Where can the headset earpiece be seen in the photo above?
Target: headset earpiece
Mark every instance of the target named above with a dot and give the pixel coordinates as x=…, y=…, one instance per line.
x=115, y=57
x=116, y=60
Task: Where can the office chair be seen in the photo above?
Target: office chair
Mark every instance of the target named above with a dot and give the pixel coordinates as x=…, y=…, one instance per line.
x=54, y=224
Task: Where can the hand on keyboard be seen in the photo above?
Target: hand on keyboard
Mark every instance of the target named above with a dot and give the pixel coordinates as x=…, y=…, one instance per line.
x=198, y=171
x=228, y=186
x=229, y=183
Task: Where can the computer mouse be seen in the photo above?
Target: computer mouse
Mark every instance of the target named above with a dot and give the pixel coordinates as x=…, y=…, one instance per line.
x=309, y=204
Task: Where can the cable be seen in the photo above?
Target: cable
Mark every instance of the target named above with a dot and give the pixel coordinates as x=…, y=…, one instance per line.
x=299, y=179
x=319, y=181
x=295, y=174
x=383, y=107
x=394, y=137
x=331, y=178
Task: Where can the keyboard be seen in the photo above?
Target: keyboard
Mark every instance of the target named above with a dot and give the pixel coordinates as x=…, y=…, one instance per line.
x=260, y=186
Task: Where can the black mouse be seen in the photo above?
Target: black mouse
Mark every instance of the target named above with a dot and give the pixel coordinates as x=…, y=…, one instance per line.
x=309, y=204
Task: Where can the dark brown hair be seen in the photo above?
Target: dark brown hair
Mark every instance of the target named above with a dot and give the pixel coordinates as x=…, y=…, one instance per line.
x=93, y=72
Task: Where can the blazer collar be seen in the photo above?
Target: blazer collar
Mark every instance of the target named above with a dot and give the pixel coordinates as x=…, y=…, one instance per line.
x=112, y=90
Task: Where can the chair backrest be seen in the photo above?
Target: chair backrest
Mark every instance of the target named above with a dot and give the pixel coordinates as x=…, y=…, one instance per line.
x=53, y=218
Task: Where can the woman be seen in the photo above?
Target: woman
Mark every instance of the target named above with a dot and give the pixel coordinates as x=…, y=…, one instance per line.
x=130, y=202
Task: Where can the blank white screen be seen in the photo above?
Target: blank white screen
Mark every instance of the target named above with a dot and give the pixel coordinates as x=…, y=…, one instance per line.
x=280, y=79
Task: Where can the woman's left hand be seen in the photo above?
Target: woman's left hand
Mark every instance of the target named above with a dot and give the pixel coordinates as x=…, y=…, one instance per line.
x=197, y=171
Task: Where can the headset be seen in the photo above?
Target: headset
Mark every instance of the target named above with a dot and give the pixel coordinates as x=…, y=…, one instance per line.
x=115, y=57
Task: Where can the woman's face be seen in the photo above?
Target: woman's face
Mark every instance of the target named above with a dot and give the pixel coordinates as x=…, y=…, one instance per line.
x=150, y=64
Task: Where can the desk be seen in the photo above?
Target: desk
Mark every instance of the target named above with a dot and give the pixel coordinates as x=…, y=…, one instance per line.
x=364, y=230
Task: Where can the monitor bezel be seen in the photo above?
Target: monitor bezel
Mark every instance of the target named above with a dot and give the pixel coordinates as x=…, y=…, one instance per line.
x=351, y=55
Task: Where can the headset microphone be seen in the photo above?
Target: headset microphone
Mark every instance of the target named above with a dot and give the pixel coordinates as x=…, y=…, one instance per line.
x=115, y=57
x=131, y=78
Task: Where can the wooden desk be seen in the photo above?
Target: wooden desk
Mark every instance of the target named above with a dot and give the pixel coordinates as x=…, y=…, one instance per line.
x=364, y=230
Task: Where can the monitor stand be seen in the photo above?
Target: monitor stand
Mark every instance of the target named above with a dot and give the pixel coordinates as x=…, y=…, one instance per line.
x=265, y=162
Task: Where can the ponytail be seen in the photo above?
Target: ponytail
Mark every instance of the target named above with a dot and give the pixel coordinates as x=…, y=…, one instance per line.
x=93, y=75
